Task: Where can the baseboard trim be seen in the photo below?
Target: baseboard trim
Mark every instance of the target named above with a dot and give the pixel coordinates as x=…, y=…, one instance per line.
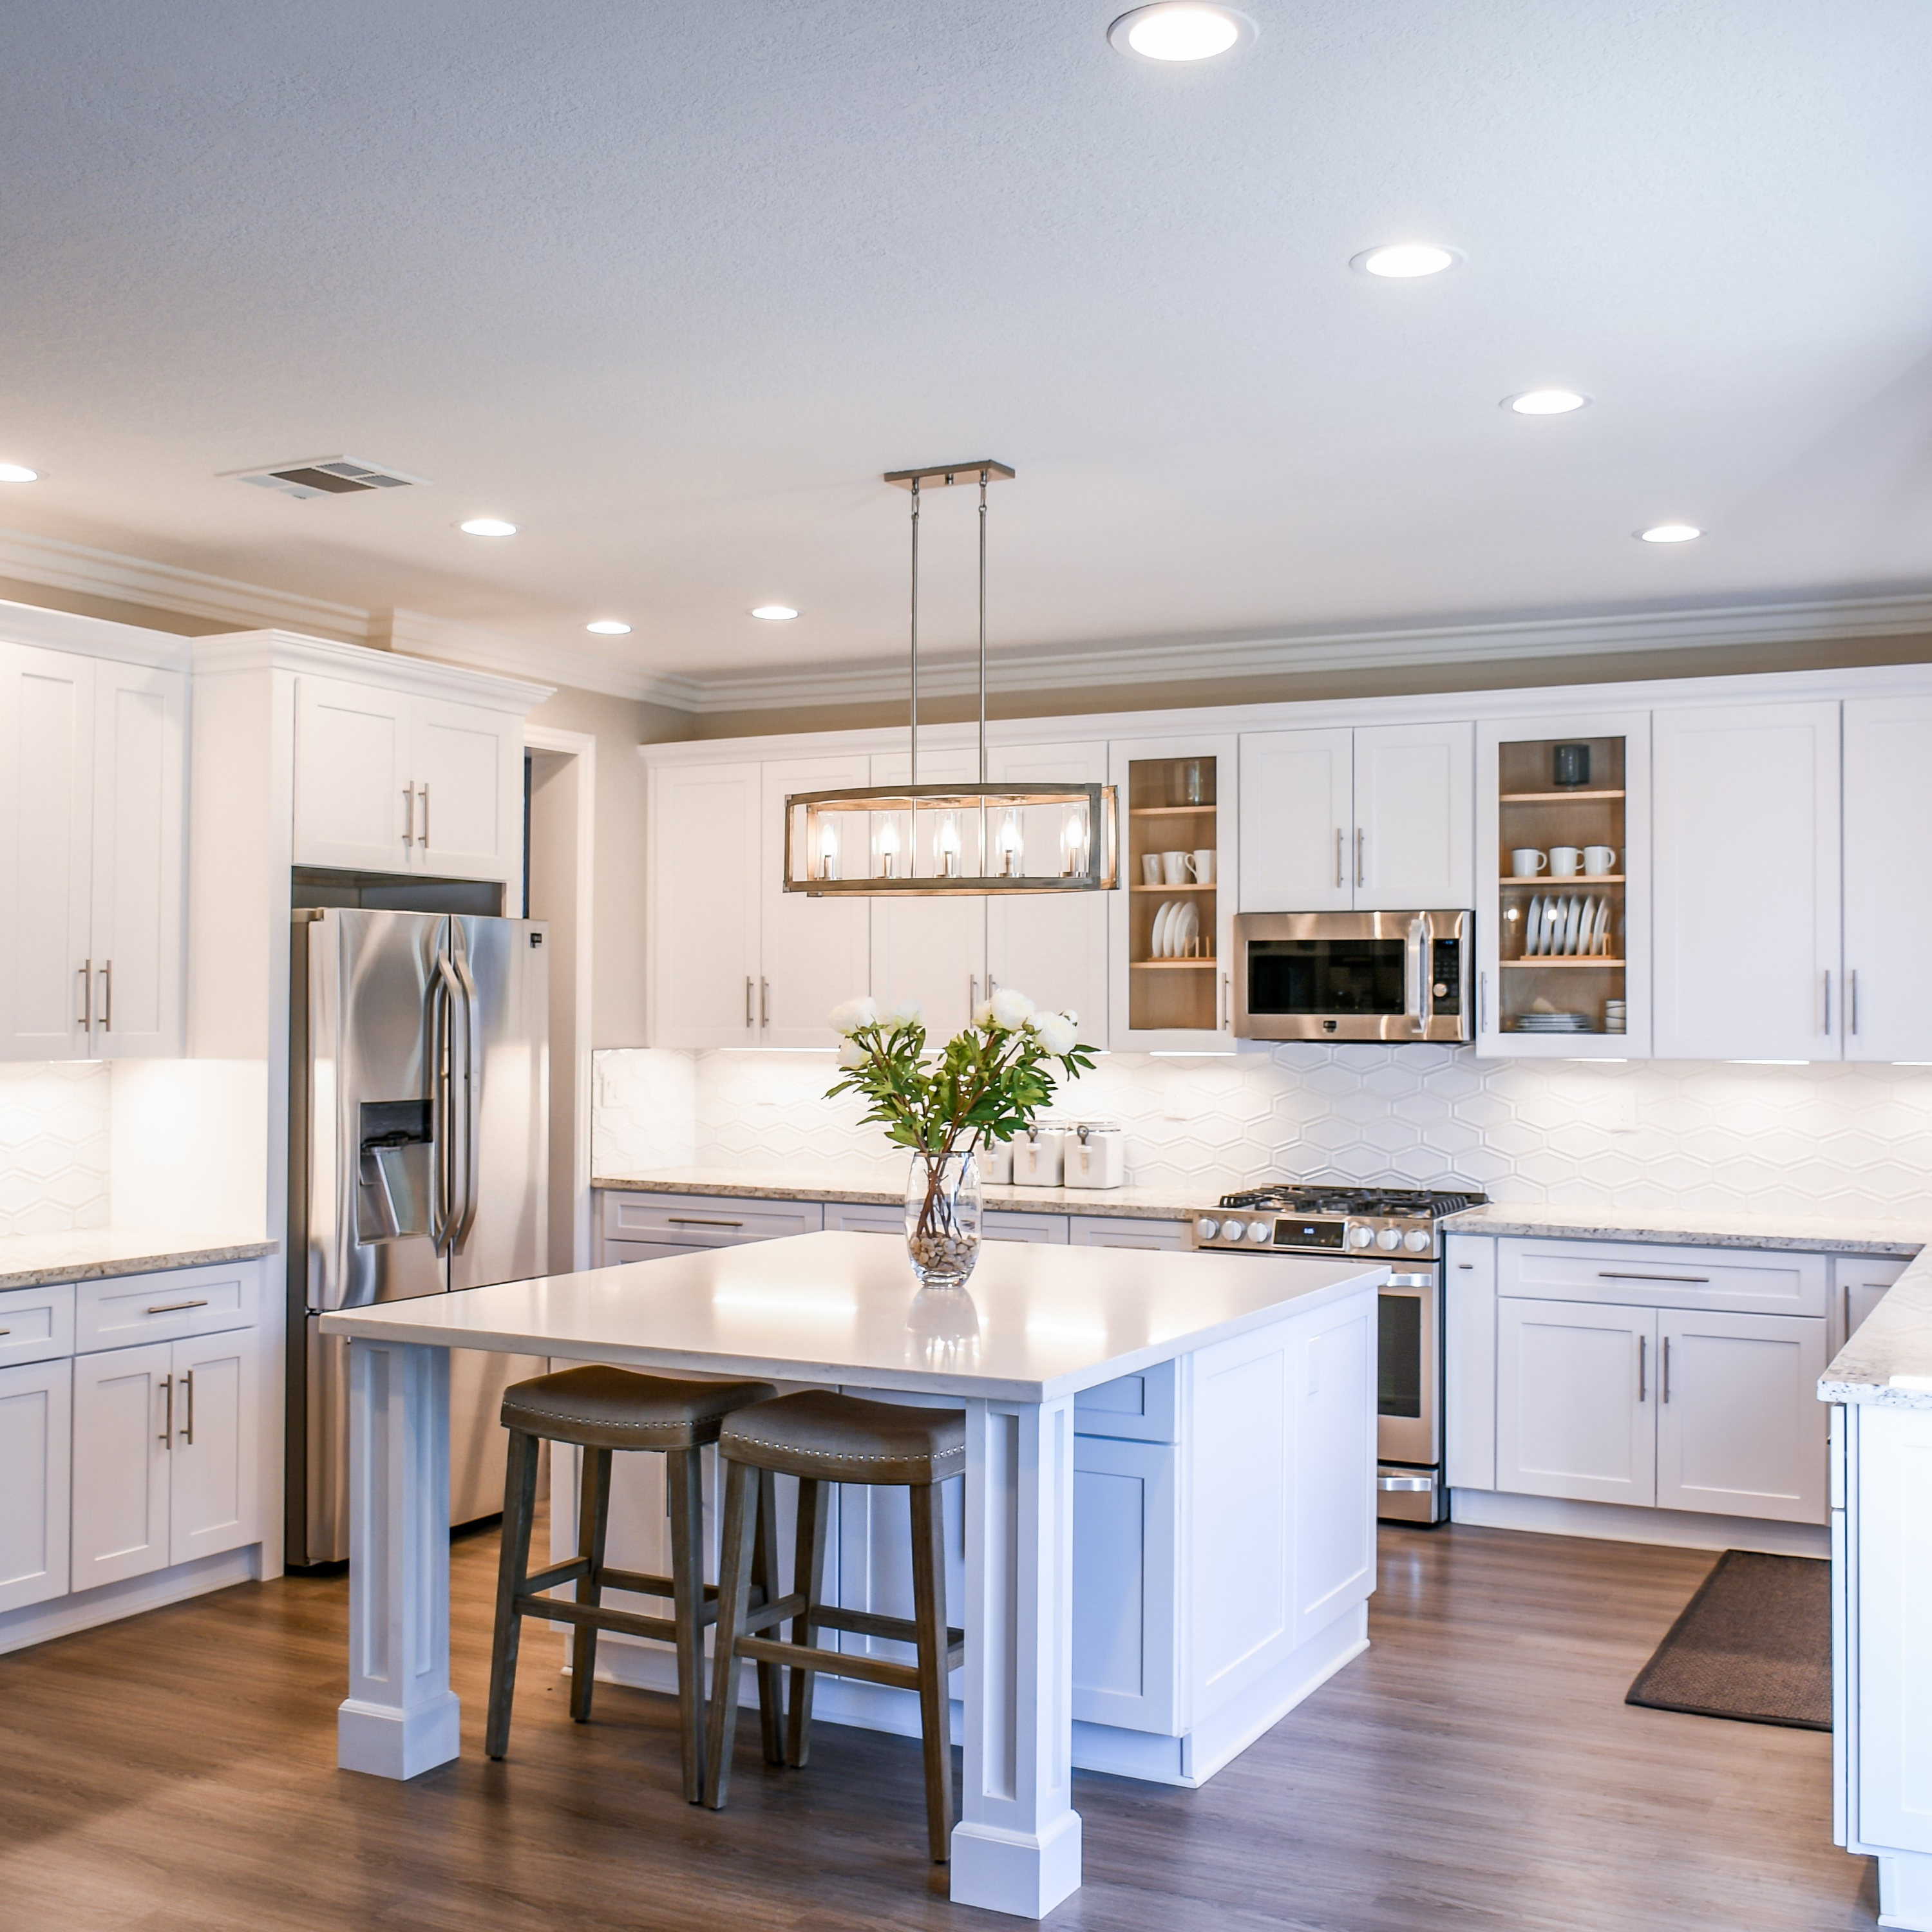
x=61, y=1616
x=1617, y=1523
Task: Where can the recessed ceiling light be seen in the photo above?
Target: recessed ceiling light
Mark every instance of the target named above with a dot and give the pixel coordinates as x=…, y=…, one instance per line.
x=18, y=473
x=1403, y=261
x=1546, y=402
x=608, y=627
x=776, y=614
x=1670, y=533
x=487, y=527
x=1180, y=30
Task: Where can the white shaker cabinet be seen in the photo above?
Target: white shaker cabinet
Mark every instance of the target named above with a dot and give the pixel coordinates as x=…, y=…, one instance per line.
x=92, y=783
x=1379, y=818
x=123, y=1430
x=36, y=1404
x=704, y=905
x=813, y=953
x=388, y=781
x=1575, y=1382
x=1888, y=858
x=213, y=1500
x=1746, y=920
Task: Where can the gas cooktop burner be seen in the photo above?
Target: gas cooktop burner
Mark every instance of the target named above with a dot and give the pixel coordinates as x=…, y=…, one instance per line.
x=1333, y=1197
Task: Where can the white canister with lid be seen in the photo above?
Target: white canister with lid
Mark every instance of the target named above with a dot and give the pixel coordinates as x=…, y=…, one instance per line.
x=996, y=1164
x=1096, y=1154
x=1037, y=1154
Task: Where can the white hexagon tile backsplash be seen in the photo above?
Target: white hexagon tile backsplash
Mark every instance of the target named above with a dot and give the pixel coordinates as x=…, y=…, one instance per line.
x=1820, y=1139
x=53, y=1146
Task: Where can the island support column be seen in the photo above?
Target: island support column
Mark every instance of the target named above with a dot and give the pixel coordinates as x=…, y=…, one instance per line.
x=1017, y=1846
x=401, y=1716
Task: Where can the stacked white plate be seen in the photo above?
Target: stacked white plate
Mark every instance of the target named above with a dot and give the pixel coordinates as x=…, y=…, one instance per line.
x=1552, y=1023
x=1176, y=924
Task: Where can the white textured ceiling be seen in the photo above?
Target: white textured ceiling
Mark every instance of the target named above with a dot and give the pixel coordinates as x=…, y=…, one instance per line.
x=670, y=285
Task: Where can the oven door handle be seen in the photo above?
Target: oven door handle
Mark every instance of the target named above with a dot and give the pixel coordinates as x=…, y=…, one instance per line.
x=1410, y=1281
x=1405, y=1482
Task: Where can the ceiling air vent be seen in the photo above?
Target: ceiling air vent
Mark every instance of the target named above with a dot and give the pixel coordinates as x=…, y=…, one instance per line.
x=327, y=476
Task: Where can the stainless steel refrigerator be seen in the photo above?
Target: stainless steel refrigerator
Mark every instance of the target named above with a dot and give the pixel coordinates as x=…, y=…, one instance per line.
x=418, y=1159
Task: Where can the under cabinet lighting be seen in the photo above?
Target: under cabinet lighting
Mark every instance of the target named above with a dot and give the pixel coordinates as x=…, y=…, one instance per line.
x=1180, y=30
x=1405, y=261
x=1770, y=1063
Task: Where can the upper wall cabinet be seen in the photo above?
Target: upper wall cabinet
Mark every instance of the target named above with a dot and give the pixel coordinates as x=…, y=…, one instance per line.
x=1747, y=882
x=704, y=905
x=386, y=781
x=1378, y=817
x=1564, y=927
x=1884, y=1014
x=92, y=777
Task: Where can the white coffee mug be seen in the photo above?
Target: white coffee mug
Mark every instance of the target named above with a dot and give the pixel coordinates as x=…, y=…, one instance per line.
x=1598, y=859
x=1174, y=865
x=1564, y=861
x=1526, y=862
x=1150, y=869
x=1202, y=866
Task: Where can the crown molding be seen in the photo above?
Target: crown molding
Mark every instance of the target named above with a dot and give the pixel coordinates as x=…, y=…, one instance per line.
x=92, y=637
x=416, y=635
x=1178, y=661
x=395, y=670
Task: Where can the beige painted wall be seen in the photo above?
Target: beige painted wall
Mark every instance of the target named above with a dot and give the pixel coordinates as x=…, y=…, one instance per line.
x=620, y=725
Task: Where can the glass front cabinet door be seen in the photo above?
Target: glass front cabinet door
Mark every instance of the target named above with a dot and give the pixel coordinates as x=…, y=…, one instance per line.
x=1172, y=949
x=1563, y=887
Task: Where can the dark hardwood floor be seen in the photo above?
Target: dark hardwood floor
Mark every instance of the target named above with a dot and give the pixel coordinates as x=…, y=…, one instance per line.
x=1478, y=1768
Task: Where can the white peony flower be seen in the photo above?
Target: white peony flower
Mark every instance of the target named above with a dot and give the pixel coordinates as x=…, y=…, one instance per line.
x=908, y=1012
x=854, y=1014
x=1010, y=1009
x=982, y=1014
x=851, y=1053
x=1056, y=1032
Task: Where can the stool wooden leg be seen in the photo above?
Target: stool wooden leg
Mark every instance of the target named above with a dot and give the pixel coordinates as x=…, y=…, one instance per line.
x=928, y=1600
x=734, y=1590
x=765, y=1589
x=684, y=1475
x=807, y=1581
x=593, y=1524
x=513, y=1565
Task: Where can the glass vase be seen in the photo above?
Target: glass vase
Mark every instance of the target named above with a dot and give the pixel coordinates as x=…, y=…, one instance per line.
x=943, y=1205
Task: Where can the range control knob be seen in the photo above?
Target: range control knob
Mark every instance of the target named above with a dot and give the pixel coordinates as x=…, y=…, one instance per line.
x=1416, y=1241
x=1257, y=1231
x=1207, y=1228
x=1388, y=1237
x=1361, y=1237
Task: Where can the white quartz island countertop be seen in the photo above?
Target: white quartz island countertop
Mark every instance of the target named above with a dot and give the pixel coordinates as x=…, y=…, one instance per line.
x=1888, y=1363
x=1138, y=1204
x=95, y=1254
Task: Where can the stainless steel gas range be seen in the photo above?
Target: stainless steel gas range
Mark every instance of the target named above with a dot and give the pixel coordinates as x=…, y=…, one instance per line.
x=1399, y=1225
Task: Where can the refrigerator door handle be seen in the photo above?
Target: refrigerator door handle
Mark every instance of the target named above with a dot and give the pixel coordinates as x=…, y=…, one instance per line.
x=443, y=1210
x=472, y=1099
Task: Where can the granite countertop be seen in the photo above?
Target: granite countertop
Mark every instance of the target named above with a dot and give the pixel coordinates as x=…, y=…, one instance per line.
x=1138, y=1204
x=1811, y=1234
x=93, y=1254
x=1888, y=1362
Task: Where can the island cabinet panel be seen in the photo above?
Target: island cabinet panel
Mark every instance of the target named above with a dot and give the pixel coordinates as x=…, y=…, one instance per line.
x=1890, y=1555
x=1127, y=1582
x=1740, y=1430
x=1575, y=1386
x=1469, y=1362
x=36, y=1404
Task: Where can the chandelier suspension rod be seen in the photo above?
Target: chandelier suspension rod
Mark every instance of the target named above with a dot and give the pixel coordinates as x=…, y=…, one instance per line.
x=915, y=630
x=982, y=627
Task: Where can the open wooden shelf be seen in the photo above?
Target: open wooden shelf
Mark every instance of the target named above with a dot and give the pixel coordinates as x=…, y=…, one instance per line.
x=1169, y=811
x=1559, y=959
x=1172, y=888
x=1544, y=882
x=1554, y=797
x=1173, y=965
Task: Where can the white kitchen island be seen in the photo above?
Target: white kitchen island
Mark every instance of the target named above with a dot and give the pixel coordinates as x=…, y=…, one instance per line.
x=1248, y=1382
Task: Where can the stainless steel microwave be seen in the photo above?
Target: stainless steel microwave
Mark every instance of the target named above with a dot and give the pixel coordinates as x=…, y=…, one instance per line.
x=1383, y=976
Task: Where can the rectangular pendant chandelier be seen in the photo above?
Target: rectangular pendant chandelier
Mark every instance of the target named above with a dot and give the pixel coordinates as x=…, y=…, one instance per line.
x=951, y=840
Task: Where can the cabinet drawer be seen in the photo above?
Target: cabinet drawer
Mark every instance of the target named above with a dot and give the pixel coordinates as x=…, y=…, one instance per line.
x=619, y=1254
x=864, y=1217
x=1005, y=1224
x=1134, y=1408
x=1120, y=1231
x=36, y=1324
x=139, y=1308
x=706, y=1220
x=1747, y=1281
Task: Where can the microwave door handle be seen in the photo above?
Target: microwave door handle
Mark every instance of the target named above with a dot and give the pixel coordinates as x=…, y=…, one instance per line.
x=1412, y=973
x=472, y=1100
x=1426, y=974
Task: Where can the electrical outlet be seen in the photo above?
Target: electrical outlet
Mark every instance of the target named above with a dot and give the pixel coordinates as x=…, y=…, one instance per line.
x=1618, y=1112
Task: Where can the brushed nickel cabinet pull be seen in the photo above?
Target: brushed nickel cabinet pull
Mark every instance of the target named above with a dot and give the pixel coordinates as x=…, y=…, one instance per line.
x=188, y=1433
x=1340, y=879
x=175, y=1307
x=764, y=1003
x=1642, y=1345
x=6, y=1331
x=1690, y=1280
x=1828, y=1002
x=107, y=997
x=748, y=1020
x=1663, y=1377
x=699, y=1221
x=168, y=1424
x=1361, y=859
x=1852, y=997
x=425, y=830
x=408, y=815
x=87, y=995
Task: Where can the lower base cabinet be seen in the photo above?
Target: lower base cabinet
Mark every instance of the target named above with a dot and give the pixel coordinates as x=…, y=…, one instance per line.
x=36, y=1411
x=1668, y=1408
x=164, y=1464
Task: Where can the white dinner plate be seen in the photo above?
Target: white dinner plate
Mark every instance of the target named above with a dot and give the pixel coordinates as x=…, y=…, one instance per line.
x=1586, y=929
x=1532, y=930
x=1604, y=927
x=1161, y=919
x=1572, y=916
x=1186, y=929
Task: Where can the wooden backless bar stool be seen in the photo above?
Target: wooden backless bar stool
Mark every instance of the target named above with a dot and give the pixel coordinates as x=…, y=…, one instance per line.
x=600, y=1410
x=821, y=1437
